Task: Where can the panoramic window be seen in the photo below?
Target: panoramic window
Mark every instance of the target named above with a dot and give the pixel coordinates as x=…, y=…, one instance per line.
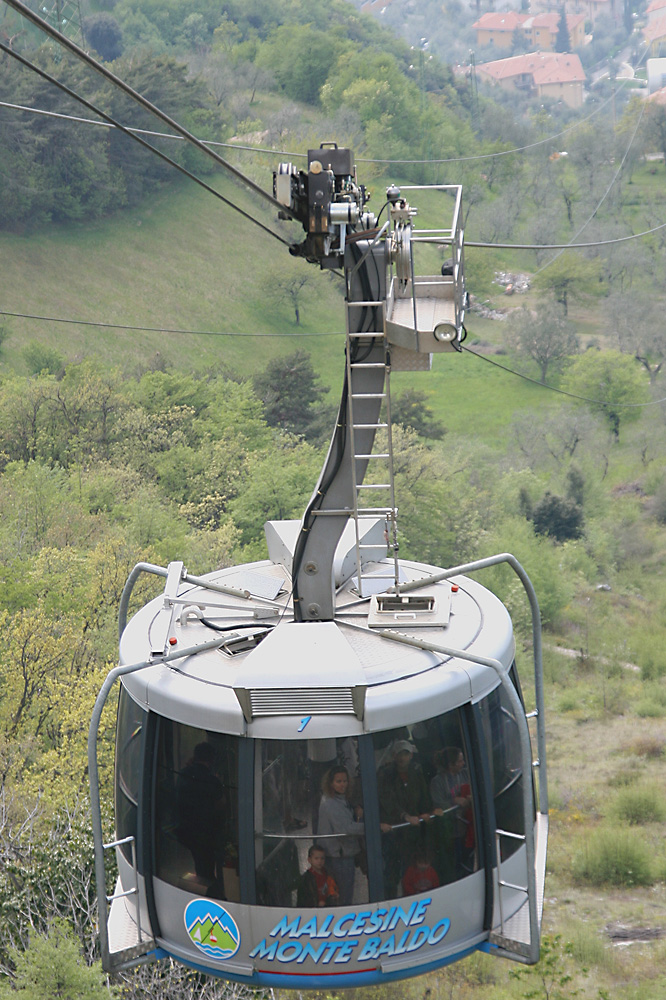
x=503, y=742
x=308, y=843
x=310, y=833
x=196, y=811
x=131, y=720
x=426, y=806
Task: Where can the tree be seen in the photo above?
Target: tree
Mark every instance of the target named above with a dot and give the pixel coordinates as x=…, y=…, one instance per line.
x=53, y=967
x=411, y=410
x=612, y=384
x=559, y=517
x=636, y=322
x=570, y=276
x=289, y=389
x=562, y=39
x=544, y=335
x=289, y=288
x=301, y=59
x=42, y=358
x=103, y=32
x=655, y=126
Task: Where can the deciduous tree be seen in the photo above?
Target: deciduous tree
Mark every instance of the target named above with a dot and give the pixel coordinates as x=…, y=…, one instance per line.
x=613, y=385
x=544, y=335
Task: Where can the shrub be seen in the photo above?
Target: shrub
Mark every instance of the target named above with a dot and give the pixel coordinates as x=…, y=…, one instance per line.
x=649, y=709
x=558, y=517
x=641, y=804
x=613, y=857
x=647, y=746
x=623, y=778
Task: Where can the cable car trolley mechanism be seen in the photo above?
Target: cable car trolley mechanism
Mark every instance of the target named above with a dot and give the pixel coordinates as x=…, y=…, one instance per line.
x=324, y=772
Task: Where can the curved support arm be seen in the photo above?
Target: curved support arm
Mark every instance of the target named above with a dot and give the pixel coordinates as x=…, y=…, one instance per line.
x=140, y=568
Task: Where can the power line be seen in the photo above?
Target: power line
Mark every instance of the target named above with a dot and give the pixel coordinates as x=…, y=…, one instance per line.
x=605, y=194
x=156, y=329
x=36, y=20
x=294, y=155
x=563, y=246
x=137, y=138
x=128, y=128
x=561, y=392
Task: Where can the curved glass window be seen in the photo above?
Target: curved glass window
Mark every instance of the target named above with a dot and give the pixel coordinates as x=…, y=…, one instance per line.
x=309, y=830
x=307, y=845
x=426, y=806
x=196, y=810
x=503, y=743
x=130, y=725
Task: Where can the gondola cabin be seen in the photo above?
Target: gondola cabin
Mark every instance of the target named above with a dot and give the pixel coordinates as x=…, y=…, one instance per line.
x=324, y=771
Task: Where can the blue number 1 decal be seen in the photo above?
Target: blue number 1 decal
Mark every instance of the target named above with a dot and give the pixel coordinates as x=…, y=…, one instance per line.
x=304, y=723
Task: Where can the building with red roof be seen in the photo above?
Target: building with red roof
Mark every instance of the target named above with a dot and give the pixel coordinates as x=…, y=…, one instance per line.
x=557, y=75
x=539, y=30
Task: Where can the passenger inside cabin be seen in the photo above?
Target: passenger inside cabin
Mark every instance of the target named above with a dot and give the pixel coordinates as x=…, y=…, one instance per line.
x=315, y=886
x=420, y=876
x=200, y=802
x=340, y=824
x=451, y=790
x=404, y=809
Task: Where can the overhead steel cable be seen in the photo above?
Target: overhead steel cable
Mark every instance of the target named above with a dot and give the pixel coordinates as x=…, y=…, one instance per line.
x=137, y=138
x=562, y=392
x=211, y=142
x=558, y=246
x=160, y=329
x=67, y=43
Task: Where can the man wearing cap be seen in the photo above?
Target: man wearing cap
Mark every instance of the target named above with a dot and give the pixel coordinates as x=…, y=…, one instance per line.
x=404, y=805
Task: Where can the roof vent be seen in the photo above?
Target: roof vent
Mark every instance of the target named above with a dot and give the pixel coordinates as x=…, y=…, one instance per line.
x=301, y=701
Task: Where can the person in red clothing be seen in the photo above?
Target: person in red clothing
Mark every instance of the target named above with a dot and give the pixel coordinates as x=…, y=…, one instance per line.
x=315, y=886
x=419, y=877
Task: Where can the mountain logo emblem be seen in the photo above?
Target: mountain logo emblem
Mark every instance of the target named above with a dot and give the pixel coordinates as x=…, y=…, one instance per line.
x=211, y=929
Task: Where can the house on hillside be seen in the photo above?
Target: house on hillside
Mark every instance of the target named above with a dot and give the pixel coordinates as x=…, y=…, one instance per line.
x=655, y=10
x=557, y=75
x=591, y=10
x=496, y=28
x=539, y=30
x=654, y=34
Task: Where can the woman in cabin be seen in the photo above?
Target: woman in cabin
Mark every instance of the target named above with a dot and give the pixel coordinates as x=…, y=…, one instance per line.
x=338, y=816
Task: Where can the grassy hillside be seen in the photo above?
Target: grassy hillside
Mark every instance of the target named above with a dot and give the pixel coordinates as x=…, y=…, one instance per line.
x=182, y=260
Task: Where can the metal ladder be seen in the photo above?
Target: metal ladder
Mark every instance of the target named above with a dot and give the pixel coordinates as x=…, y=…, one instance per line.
x=371, y=457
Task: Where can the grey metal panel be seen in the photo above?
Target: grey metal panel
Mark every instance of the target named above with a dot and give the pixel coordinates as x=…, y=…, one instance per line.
x=308, y=653
x=123, y=927
x=319, y=727
x=424, y=696
x=175, y=696
x=462, y=903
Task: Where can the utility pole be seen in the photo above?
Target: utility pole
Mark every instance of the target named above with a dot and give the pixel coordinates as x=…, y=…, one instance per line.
x=474, y=90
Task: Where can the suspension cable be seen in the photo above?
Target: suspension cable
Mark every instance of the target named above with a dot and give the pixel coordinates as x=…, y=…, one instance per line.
x=137, y=138
x=36, y=20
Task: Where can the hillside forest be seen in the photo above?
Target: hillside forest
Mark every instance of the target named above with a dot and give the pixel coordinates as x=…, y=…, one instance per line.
x=169, y=377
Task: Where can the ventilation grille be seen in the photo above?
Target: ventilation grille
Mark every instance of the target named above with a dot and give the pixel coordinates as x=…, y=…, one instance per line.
x=302, y=701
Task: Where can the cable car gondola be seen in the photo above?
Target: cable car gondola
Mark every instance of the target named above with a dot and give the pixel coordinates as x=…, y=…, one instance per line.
x=324, y=774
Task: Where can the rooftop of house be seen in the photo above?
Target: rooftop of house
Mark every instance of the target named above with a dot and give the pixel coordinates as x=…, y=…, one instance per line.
x=655, y=30
x=509, y=20
x=543, y=67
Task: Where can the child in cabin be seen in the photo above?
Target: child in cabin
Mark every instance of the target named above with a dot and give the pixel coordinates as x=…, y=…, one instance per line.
x=420, y=876
x=315, y=886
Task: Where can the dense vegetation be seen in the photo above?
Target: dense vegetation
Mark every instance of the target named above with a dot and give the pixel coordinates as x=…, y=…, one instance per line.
x=149, y=446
